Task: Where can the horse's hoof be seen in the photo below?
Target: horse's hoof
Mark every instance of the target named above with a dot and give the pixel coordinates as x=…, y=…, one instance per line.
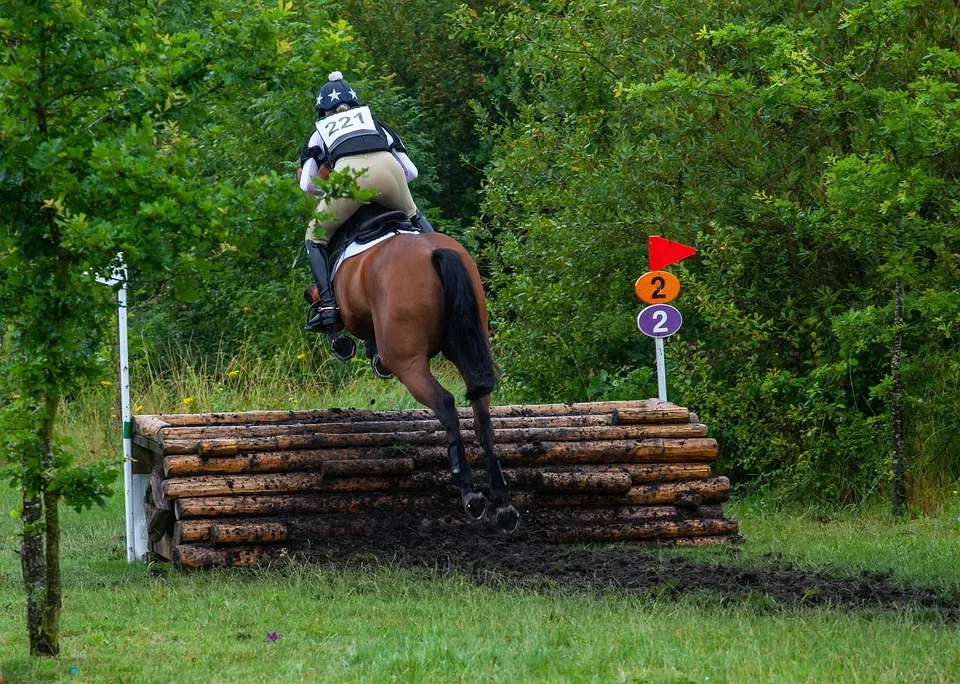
x=508, y=519
x=343, y=347
x=475, y=504
x=379, y=369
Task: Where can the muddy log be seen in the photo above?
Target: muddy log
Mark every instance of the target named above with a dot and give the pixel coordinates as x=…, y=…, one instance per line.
x=213, y=485
x=635, y=531
x=703, y=541
x=668, y=414
x=226, y=447
x=610, y=482
x=191, y=531
x=368, y=467
x=248, y=532
x=205, y=556
x=375, y=426
x=587, y=517
x=711, y=490
x=678, y=451
x=280, y=504
x=654, y=406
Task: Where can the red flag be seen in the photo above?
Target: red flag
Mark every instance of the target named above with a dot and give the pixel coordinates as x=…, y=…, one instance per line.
x=664, y=252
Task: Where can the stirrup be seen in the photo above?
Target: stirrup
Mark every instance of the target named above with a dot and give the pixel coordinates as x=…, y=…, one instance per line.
x=343, y=347
x=314, y=310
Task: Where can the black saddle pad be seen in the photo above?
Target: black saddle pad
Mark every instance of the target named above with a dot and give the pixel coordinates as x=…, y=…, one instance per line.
x=370, y=222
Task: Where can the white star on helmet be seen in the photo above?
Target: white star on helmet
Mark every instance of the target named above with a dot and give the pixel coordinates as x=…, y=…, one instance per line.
x=353, y=94
x=334, y=95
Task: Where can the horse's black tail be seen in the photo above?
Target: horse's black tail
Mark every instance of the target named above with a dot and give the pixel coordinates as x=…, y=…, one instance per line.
x=463, y=335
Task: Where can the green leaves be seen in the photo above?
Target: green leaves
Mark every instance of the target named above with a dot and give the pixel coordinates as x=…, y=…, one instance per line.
x=792, y=150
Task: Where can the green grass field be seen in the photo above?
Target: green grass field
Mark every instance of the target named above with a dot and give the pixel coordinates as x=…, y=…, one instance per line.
x=382, y=622
x=124, y=623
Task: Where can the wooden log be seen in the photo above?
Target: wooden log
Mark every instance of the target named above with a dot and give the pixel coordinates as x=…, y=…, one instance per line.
x=215, y=485
x=291, y=504
x=205, y=556
x=703, y=541
x=149, y=427
x=164, y=547
x=529, y=476
x=248, y=532
x=669, y=413
x=610, y=482
x=516, y=454
x=157, y=498
x=711, y=490
x=159, y=523
x=641, y=530
x=655, y=406
x=367, y=467
x=570, y=434
x=376, y=426
x=191, y=531
x=587, y=517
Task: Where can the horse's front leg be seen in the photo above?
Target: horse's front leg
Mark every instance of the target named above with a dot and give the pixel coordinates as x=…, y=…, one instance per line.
x=506, y=516
x=417, y=378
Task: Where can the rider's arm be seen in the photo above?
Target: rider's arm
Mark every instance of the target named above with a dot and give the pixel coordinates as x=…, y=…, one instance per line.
x=312, y=164
x=409, y=170
x=400, y=152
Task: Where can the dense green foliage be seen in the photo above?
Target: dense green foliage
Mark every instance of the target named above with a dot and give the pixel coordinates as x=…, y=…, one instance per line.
x=791, y=146
x=161, y=132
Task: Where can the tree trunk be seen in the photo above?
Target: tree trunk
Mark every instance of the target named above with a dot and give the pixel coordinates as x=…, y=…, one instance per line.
x=33, y=565
x=51, y=512
x=899, y=484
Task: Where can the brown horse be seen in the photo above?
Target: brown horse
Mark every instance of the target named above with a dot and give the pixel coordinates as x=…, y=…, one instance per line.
x=417, y=296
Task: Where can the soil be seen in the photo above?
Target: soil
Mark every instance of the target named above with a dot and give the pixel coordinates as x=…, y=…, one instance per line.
x=487, y=557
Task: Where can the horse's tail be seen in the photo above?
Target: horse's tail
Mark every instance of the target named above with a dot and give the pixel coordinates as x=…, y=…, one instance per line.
x=463, y=334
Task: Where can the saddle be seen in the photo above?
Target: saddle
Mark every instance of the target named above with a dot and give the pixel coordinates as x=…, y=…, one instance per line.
x=369, y=223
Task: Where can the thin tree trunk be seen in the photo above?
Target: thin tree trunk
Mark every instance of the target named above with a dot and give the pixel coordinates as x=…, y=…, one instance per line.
x=33, y=565
x=899, y=485
x=51, y=512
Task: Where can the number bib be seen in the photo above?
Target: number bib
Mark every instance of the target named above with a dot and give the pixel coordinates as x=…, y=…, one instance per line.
x=338, y=127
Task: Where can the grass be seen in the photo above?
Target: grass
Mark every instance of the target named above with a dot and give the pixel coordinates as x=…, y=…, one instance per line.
x=134, y=623
x=125, y=623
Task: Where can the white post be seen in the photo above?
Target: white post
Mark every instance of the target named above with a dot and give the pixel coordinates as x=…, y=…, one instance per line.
x=134, y=486
x=661, y=370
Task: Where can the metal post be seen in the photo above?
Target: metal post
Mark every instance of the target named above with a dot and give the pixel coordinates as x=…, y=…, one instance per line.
x=661, y=370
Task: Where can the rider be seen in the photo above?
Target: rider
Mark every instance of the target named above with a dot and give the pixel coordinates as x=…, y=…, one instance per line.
x=348, y=136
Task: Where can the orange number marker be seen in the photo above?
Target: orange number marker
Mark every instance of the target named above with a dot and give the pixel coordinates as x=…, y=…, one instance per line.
x=657, y=287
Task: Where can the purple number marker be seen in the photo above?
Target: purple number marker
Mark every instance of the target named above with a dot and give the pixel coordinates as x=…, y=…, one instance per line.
x=659, y=320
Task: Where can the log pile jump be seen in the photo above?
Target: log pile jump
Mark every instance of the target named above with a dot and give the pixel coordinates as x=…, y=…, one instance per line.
x=235, y=489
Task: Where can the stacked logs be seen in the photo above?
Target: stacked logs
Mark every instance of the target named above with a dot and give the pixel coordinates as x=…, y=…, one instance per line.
x=235, y=488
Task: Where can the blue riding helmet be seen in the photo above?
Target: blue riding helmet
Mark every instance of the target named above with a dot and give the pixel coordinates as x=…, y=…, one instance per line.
x=334, y=93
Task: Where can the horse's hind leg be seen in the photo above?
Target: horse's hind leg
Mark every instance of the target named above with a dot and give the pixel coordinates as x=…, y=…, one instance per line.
x=507, y=517
x=424, y=387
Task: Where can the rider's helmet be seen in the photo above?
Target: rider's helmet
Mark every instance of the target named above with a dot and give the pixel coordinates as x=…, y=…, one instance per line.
x=334, y=93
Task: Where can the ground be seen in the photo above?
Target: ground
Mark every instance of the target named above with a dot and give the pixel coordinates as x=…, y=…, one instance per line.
x=808, y=596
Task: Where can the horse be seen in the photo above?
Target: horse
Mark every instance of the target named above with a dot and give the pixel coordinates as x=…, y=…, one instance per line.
x=415, y=296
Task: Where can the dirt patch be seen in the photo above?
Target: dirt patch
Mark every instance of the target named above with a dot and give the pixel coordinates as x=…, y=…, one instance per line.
x=487, y=557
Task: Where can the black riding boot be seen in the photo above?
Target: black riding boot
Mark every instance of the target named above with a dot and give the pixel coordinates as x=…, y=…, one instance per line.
x=326, y=316
x=421, y=222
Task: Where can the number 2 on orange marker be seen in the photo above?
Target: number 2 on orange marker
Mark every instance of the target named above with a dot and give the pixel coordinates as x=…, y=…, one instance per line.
x=657, y=287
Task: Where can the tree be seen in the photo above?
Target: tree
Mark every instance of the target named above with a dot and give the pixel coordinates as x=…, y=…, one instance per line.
x=790, y=144
x=119, y=133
